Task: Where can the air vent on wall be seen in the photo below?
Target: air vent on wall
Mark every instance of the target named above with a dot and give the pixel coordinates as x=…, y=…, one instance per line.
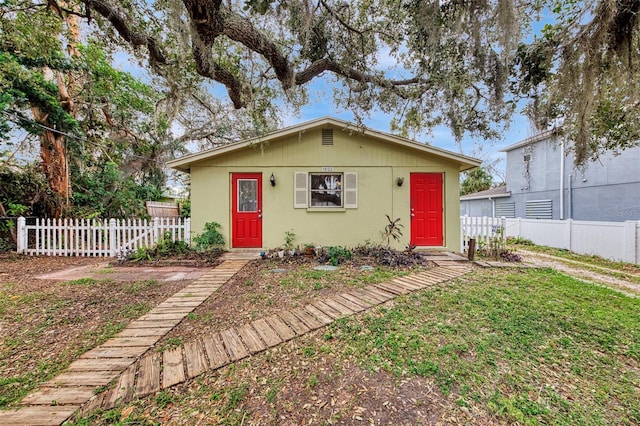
x=506, y=210
x=527, y=158
x=539, y=209
x=327, y=137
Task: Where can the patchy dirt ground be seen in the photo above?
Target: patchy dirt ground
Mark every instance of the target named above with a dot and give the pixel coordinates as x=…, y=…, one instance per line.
x=289, y=385
x=47, y=322
x=586, y=272
x=265, y=287
x=52, y=309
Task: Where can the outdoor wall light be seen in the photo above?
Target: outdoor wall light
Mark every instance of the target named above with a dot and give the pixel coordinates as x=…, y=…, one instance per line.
x=272, y=179
x=400, y=181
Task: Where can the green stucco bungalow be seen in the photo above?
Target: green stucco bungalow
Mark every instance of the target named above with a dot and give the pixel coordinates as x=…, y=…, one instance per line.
x=329, y=183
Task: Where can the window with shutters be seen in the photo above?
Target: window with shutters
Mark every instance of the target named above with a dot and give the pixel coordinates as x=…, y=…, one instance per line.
x=326, y=190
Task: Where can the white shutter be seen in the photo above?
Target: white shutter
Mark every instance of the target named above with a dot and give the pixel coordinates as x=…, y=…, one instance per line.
x=350, y=190
x=300, y=182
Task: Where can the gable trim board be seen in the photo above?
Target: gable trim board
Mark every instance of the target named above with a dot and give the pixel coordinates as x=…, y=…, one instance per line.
x=326, y=195
x=184, y=163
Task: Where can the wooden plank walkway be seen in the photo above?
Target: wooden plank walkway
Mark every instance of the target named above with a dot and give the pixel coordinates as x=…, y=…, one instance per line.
x=120, y=359
x=223, y=347
x=137, y=373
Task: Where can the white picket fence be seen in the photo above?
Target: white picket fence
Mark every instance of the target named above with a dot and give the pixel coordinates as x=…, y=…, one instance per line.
x=611, y=240
x=96, y=237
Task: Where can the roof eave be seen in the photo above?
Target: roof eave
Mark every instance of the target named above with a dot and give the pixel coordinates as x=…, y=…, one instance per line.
x=184, y=163
x=547, y=134
x=482, y=197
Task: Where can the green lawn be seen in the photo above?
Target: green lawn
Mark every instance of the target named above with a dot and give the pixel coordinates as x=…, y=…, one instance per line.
x=502, y=346
x=621, y=270
x=535, y=347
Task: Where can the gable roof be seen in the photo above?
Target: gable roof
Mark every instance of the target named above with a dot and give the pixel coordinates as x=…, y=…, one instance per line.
x=497, y=192
x=184, y=163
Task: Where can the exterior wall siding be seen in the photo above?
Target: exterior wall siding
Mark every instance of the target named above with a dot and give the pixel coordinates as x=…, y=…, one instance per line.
x=378, y=166
x=604, y=190
x=476, y=208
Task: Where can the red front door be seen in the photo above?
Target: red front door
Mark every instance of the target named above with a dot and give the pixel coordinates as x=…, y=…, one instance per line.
x=246, y=214
x=426, y=209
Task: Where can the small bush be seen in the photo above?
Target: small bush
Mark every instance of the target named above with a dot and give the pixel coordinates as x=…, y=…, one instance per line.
x=210, y=239
x=165, y=247
x=393, y=229
x=509, y=256
x=389, y=257
x=519, y=241
x=338, y=255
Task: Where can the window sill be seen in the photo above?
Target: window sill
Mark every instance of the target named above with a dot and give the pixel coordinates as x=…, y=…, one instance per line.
x=326, y=209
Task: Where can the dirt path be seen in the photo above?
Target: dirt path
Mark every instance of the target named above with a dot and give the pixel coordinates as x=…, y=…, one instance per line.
x=583, y=271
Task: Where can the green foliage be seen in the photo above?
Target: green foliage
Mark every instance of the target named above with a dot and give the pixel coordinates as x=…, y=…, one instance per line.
x=520, y=241
x=209, y=239
x=505, y=342
x=185, y=208
x=104, y=191
x=25, y=187
x=165, y=247
x=338, y=255
x=138, y=286
x=23, y=192
x=114, y=177
x=164, y=398
x=494, y=246
x=24, y=86
x=289, y=237
x=476, y=180
x=87, y=282
x=115, y=143
x=170, y=343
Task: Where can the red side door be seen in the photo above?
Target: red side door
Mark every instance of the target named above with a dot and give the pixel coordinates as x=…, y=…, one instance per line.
x=426, y=209
x=246, y=210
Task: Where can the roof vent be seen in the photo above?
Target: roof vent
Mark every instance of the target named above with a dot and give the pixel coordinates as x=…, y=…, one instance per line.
x=327, y=137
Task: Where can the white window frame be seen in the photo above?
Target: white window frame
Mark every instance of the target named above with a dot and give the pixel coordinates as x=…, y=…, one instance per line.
x=328, y=192
x=303, y=191
x=239, y=198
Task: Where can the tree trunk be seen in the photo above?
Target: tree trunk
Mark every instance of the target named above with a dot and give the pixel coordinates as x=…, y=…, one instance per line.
x=53, y=150
x=54, y=162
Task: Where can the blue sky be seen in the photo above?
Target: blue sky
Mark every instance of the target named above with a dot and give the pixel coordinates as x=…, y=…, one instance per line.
x=321, y=104
x=441, y=137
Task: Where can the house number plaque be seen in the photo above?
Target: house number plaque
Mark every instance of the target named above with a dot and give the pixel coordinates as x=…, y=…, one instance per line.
x=327, y=169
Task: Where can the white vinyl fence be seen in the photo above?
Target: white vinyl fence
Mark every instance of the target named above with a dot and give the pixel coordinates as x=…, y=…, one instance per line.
x=96, y=237
x=611, y=240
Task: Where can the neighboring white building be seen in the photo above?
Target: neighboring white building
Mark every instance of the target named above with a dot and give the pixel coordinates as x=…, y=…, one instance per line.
x=543, y=183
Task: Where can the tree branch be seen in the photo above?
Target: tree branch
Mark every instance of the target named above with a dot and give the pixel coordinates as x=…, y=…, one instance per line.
x=339, y=19
x=210, y=20
x=206, y=68
x=241, y=30
x=322, y=65
x=123, y=24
